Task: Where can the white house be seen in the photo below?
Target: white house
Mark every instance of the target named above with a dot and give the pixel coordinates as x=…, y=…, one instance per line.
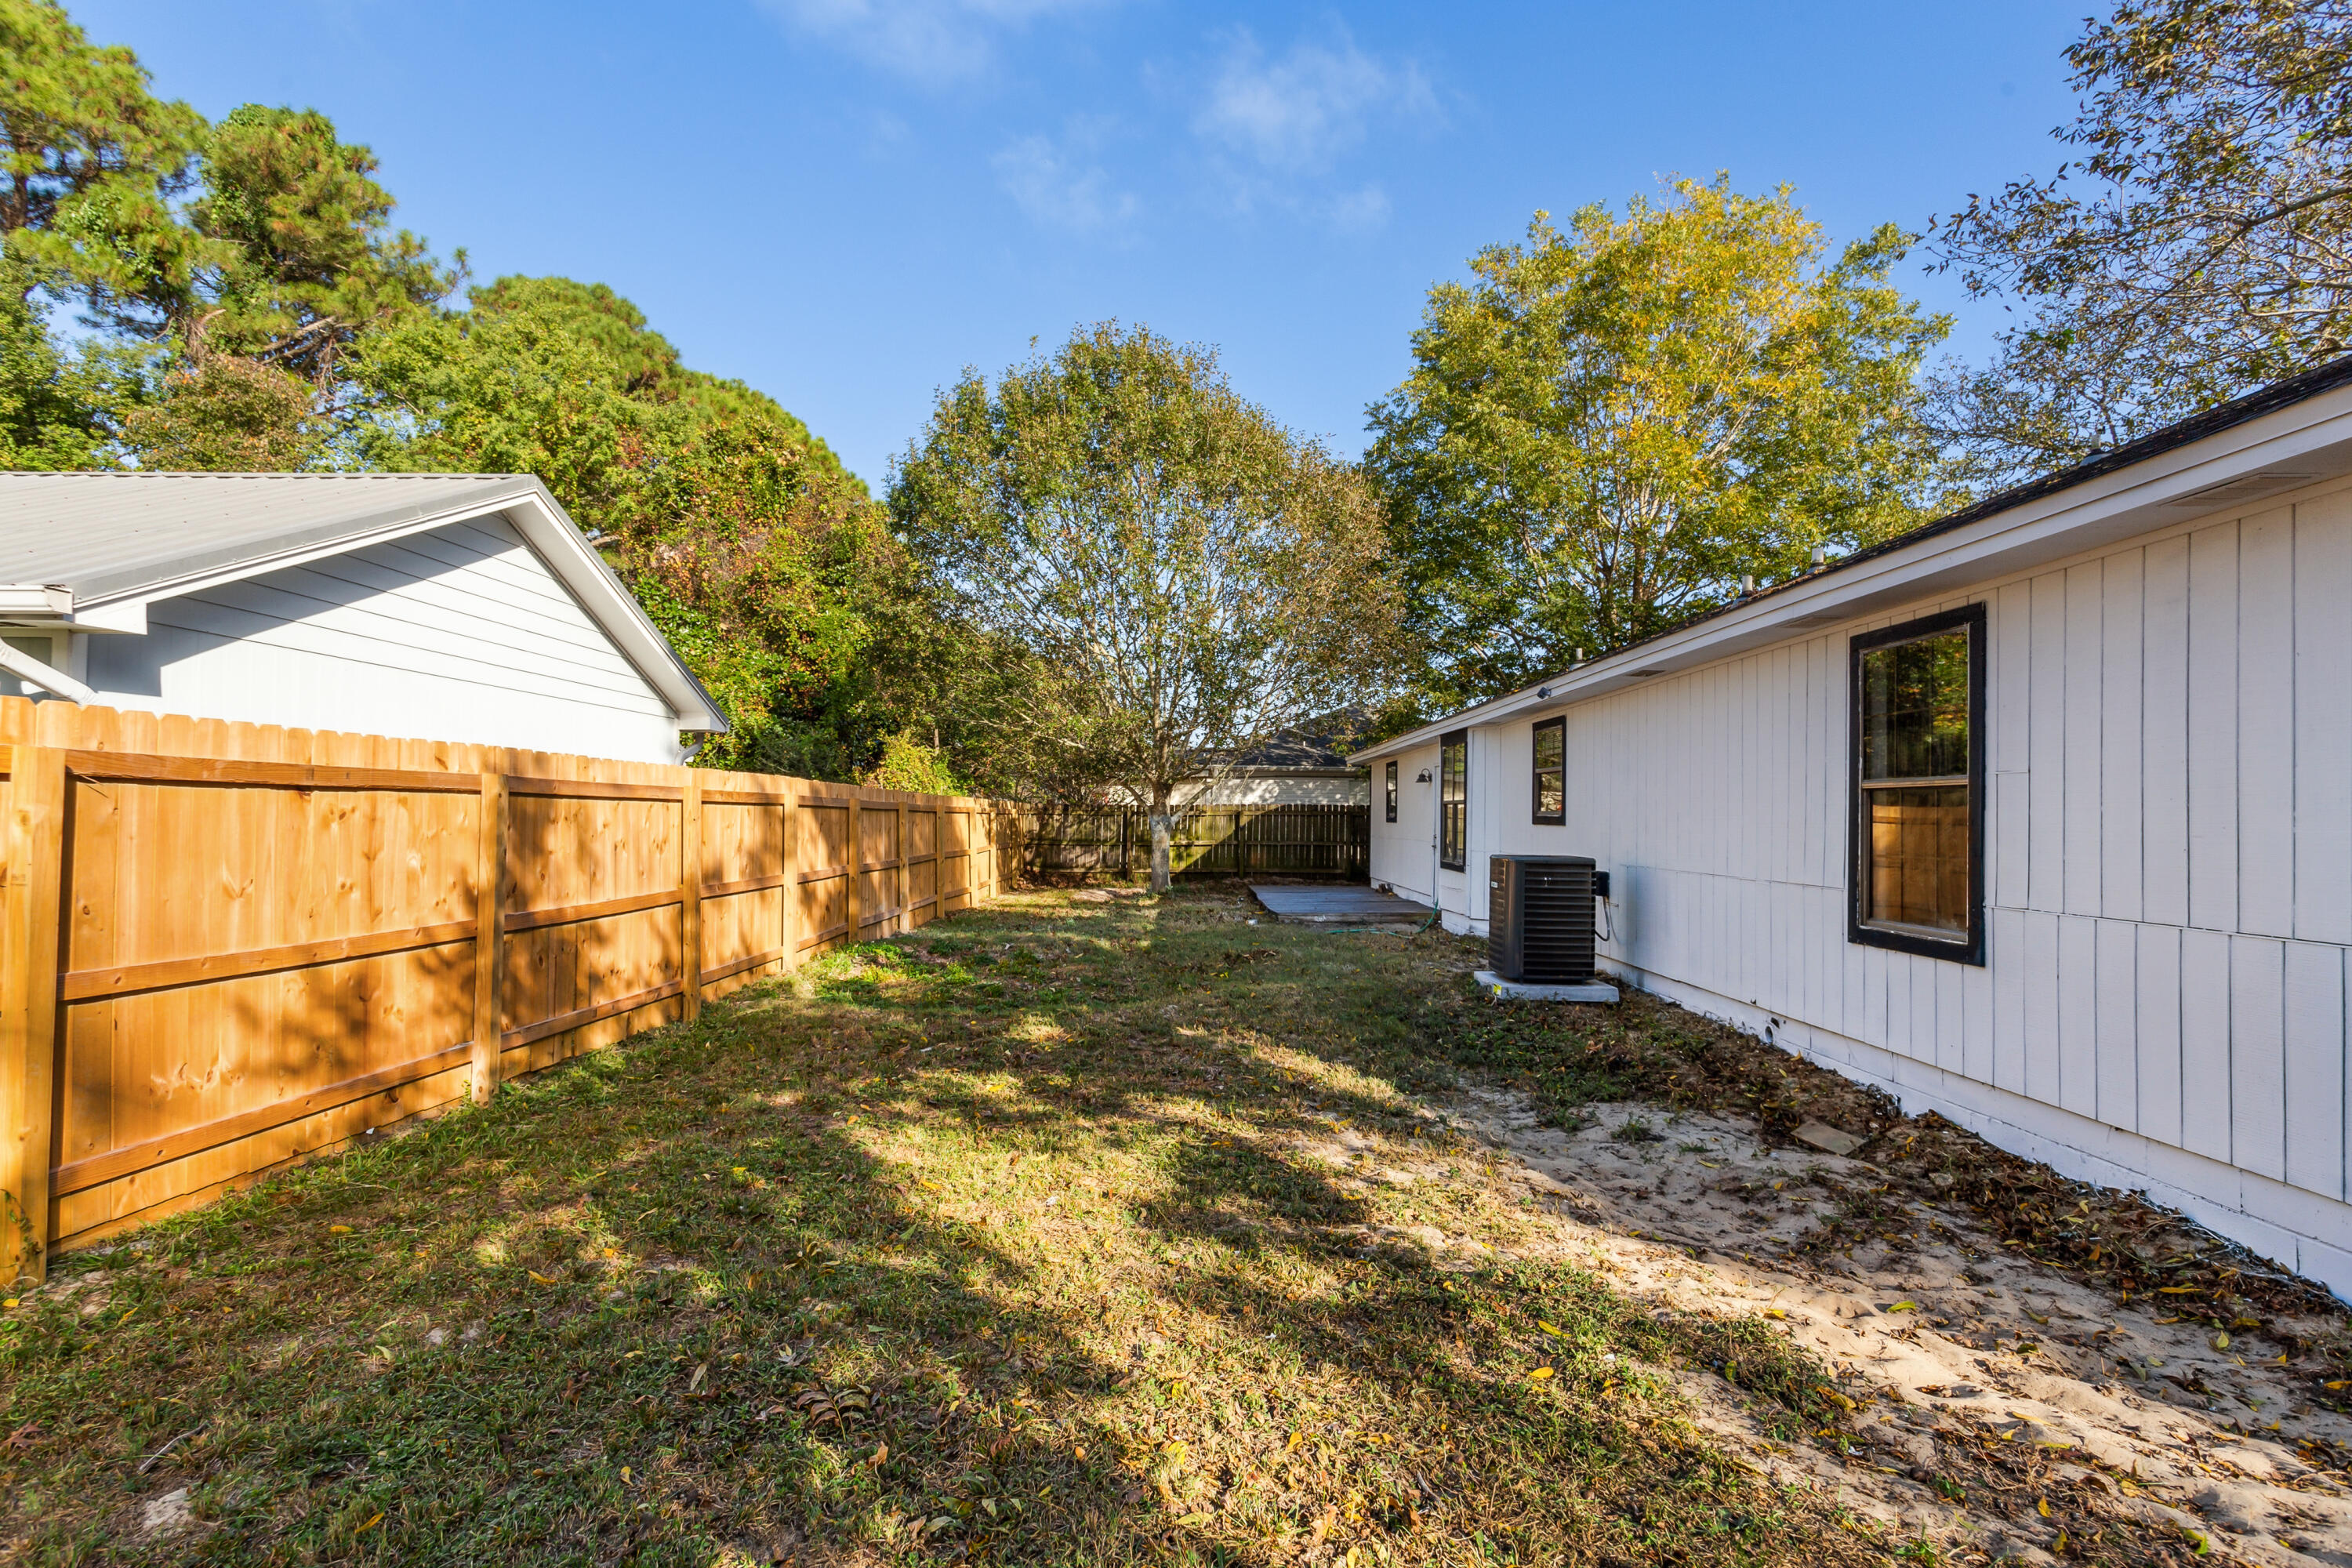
x=450, y=606
x=2039, y=816
x=1302, y=764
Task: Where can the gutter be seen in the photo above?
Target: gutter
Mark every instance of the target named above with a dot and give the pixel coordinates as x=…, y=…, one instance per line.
x=25, y=666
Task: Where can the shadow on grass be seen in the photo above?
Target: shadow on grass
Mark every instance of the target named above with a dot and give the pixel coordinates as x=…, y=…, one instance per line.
x=924, y=1258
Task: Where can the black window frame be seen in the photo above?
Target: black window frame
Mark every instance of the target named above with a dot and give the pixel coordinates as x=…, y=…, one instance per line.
x=1536, y=813
x=1393, y=789
x=1969, y=949
x=1453, y=824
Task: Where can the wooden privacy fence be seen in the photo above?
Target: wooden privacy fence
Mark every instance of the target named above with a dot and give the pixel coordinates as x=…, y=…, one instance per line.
x=226, y=945
x=1333, y=841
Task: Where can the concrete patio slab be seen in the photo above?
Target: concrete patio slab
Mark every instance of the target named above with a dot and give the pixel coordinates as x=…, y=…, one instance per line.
x=1344, y=904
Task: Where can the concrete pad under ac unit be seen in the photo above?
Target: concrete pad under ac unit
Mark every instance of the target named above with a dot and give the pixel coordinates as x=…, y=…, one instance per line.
x=1495, y=986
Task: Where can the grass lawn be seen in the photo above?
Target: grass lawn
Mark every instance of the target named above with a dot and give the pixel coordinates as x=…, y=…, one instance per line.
x=1022, y=1238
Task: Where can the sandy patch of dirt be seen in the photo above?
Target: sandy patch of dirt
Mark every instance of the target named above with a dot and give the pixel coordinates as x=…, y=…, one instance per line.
x=2003, y=1408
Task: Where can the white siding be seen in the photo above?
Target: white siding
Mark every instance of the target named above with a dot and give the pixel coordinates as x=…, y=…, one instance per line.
x=458, y=634
x=1404, y=852
x=1303, y=789
x=2167, y=858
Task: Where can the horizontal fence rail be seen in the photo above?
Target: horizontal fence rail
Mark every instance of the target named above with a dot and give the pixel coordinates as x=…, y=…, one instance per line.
x=1334, y=841
x=223, y=946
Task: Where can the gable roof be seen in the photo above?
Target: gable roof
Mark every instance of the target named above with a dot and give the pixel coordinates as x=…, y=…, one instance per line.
x=2268, y=443
x=93, y=549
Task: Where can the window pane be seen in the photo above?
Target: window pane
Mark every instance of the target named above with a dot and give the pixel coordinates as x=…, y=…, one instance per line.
x=1918, y=856
x=1552, y=799
x=1915, y=708
x=1550, y=744
x=1454, y=803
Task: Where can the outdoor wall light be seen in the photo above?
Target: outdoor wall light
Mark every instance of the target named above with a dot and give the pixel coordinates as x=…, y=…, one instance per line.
x=1422, y=777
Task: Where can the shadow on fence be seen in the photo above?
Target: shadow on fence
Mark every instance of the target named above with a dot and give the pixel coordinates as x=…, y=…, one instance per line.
x=1325, y=841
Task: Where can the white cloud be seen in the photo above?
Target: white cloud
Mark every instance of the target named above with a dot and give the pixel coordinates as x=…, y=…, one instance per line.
x=1359, y=212
x=1059, y=190
x=1298, y=114
x=931, y=40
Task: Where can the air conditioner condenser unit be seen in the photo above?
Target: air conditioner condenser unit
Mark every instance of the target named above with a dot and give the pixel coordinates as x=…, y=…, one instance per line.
x=1540, y=918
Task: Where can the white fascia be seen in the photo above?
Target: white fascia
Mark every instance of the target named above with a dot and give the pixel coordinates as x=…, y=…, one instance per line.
x=2312, y=440
x=544, y=526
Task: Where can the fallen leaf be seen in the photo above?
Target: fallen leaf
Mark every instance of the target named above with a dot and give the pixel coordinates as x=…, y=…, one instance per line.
x=536, y=1274
x=2042, y=1508
x=1539, y=1374
x=1297, y=1438
x=1774, y=1312
x=1903, y=1307
x=371, y=1524
x=1078, y=1453
x=625, y=1475
x=1548, y=1327
x=700, y=1374
x=2221, y=1341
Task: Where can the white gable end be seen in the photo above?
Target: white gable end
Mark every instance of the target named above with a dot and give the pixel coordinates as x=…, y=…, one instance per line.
x=458, y=633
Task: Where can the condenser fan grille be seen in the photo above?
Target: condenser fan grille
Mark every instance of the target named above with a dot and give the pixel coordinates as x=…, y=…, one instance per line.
x=1539, y=918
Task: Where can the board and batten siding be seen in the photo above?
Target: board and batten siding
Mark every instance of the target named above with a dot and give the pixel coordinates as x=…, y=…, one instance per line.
x=1403, y=851
x=2168, y=860
x=460, y=632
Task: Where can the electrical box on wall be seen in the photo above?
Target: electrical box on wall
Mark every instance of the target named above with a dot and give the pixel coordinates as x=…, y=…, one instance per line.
x=1540, y=918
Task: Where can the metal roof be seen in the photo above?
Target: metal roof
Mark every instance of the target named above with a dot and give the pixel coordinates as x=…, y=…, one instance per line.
x=105, y=541
x=105, y=535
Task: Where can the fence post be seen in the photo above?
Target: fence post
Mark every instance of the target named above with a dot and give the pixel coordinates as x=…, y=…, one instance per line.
x=898, y=848
x=689, y=888
x=490, y=937
x=31, y=942
x=788, y=893
x=856, y=854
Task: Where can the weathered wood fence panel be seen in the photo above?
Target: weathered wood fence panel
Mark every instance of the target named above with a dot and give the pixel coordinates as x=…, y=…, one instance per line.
x=1332, y=841
x=223, y=946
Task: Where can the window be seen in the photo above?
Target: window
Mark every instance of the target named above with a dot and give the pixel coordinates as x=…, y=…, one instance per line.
x=1918, y=796
x=1453, y=800
x=1392, y=791
x=1552, y=770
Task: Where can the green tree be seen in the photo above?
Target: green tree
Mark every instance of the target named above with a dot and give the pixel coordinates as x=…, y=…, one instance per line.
x=1612, y=426
x=81, y=135
x=2196, y=243
x=762, y=558
x=79, y=131
x=1177, y=573
x=56, y=407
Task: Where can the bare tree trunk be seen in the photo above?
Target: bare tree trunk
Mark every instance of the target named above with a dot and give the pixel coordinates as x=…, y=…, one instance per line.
x=1160, y=830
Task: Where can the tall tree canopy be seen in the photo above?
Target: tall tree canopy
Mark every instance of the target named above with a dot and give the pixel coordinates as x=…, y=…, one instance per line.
x=1613, y=424
x=80, y=131
x=1176, y=574
x=2196, y=242
x=762, y=558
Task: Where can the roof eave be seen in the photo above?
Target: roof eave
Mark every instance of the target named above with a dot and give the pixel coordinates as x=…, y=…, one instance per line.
x=2128, y=492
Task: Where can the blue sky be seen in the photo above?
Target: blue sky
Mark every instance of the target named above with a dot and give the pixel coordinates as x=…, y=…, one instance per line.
x=843, y=202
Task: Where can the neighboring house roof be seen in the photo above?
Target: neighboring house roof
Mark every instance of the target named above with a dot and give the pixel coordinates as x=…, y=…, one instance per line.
x=2268, y=443
x=1317, y=745
x=91, y=550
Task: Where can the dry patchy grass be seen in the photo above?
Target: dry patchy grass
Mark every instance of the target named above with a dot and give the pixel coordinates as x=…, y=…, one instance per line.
x=1020, y=1238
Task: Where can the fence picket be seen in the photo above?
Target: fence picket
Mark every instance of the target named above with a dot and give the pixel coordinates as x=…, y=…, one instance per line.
x=1205, y=841
x=245, y=944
